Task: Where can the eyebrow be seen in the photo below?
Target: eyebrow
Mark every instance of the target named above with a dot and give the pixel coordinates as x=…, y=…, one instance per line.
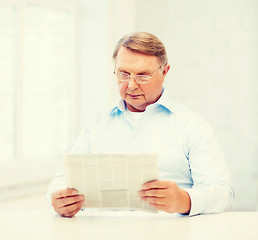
x=141, y=72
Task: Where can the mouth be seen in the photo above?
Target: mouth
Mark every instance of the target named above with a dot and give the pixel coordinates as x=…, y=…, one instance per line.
x=134, y=95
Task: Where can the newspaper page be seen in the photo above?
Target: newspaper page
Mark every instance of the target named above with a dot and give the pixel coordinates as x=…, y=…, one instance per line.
x=111, y=181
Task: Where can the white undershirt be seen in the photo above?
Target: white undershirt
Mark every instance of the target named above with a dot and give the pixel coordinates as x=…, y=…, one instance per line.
x=135, y=118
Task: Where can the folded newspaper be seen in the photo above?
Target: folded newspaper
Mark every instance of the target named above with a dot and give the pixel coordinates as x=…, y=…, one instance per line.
x=111, y=181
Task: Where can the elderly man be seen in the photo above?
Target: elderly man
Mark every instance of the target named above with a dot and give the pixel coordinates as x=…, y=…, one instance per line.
x=193, y=174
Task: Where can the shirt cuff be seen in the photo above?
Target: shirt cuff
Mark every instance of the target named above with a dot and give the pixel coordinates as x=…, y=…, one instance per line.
x=198, y=201
x=56, y=184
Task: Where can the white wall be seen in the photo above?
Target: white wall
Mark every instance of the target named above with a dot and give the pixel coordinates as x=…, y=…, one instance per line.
x=94, y=56
x=212, y=47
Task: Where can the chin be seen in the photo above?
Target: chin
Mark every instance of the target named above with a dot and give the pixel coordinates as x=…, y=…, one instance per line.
x=138, y=108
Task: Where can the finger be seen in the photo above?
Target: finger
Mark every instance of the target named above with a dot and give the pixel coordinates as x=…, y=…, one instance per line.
x=156, y=200
x=153, y=193
x=160, y=207
x=155, y=184
x=61, y=202
x=70, y=208
x=65, y=193
x=71, y=214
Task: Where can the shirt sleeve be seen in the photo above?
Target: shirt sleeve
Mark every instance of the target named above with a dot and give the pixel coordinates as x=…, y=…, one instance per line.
x=57, y=183
x=81, y=146
x=212, y=191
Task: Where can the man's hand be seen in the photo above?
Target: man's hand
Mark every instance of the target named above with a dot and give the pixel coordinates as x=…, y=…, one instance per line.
x=166, y=196
x=67, y=202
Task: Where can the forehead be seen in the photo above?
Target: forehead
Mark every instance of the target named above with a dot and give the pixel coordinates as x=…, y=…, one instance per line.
x=135, y=61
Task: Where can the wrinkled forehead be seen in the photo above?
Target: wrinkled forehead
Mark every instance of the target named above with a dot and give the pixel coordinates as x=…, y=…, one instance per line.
x=131, y=60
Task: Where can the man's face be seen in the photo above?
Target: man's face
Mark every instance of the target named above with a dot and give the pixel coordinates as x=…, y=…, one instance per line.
x=139, y=96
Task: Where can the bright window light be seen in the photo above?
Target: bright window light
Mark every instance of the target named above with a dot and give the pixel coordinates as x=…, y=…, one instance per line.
x=7, y=82
x=36, y=81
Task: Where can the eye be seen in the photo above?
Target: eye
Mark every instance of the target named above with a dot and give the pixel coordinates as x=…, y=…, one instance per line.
x=142, y=78
x=143, y=74
x=124, y=74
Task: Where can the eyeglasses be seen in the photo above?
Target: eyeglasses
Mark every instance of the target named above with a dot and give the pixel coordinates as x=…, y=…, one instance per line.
x=125, y=77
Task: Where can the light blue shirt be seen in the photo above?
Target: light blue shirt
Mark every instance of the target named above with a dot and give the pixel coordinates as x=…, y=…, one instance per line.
x=188, y=152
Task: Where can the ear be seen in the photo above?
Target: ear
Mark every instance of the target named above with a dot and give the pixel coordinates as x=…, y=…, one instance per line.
x=165, y=70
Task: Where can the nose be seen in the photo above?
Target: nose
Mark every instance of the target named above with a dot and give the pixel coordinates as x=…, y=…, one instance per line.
x=132, y=84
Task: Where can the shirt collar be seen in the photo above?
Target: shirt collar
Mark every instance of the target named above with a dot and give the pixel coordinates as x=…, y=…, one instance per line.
x=164, y=102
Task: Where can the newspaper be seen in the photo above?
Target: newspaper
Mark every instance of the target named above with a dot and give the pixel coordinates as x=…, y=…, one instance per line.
x=111, y=181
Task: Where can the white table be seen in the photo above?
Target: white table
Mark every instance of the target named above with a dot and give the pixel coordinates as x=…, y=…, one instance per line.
x=127, y=225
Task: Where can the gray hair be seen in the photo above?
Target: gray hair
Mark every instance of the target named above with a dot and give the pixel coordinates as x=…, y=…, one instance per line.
x=145, y=43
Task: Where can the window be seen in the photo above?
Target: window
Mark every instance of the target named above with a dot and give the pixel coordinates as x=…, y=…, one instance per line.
x=37, y=79
x=7, y=80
